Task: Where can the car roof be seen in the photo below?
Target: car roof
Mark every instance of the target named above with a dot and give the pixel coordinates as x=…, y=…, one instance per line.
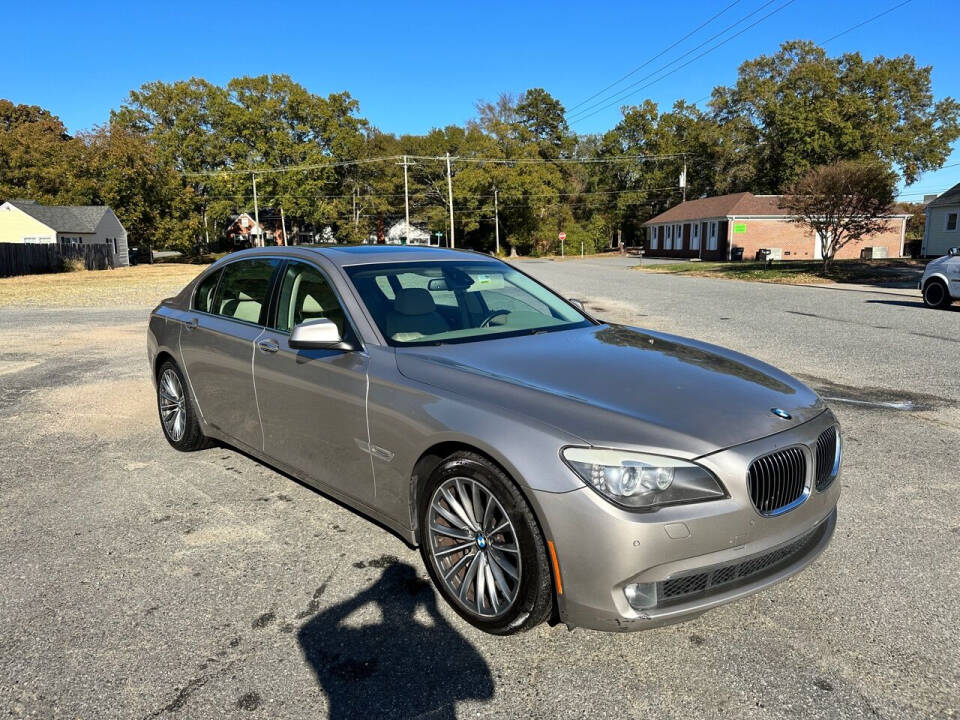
x=345, y=255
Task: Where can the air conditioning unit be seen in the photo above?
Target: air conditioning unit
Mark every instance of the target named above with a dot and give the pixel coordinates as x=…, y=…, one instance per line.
x=876, y=252
x=775, y=253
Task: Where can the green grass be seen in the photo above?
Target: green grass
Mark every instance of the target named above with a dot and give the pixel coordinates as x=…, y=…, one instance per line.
x=796, y=271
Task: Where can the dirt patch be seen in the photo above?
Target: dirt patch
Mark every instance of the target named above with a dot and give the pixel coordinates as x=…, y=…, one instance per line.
x=224, y=534
x=107, y=408
x=93, y=338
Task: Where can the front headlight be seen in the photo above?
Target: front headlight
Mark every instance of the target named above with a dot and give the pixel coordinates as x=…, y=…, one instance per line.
x=641, y=481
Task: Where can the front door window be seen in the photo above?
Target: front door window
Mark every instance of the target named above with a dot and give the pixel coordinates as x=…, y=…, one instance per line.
x=305, y=295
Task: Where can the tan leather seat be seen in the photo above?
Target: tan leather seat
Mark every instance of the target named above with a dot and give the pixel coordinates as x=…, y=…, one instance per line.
x=415, y=313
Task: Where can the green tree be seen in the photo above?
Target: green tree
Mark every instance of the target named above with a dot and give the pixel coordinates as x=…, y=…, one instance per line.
x=38, y=158
x=120, y=168
x=841, y=202
x=800, y=108
x=218, y=136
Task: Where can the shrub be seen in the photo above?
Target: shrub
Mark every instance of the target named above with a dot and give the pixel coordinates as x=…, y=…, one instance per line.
x=72, y=265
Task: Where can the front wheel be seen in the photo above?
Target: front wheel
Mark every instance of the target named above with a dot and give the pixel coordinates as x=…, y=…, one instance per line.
x=935, y=294
x=482, y=546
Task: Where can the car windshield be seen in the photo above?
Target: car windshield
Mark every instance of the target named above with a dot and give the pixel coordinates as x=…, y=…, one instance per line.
x=425, y=303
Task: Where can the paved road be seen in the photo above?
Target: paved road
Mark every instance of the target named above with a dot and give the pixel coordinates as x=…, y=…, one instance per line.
x=139, y=582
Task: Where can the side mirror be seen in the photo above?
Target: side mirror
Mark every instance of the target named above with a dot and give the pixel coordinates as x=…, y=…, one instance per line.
x=317, y=334
x=953, y=252
x=578, y=304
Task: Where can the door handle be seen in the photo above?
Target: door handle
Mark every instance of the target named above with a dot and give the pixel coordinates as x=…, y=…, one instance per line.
x=268, y=346
x=190, y=324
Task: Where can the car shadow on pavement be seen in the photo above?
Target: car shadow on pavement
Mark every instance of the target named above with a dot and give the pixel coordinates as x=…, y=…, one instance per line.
x=908, y=303
x=405, y=665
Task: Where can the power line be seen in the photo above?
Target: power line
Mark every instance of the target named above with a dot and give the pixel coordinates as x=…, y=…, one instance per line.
x=291, y=168
x=585, y=113
x=544, y=161
x=437, y=158
x=658, y=55
x=422, y=196
x=868, y=20
x=243, y=197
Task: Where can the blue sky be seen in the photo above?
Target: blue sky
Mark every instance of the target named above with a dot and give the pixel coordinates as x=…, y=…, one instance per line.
x=418, y=65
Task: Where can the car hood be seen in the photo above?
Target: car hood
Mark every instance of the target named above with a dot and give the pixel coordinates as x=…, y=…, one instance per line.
x=616, y=385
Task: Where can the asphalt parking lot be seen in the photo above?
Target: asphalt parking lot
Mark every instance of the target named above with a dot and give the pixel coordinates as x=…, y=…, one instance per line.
x=138, y=582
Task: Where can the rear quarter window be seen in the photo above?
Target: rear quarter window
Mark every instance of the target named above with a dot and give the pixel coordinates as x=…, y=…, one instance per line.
x=203, y=297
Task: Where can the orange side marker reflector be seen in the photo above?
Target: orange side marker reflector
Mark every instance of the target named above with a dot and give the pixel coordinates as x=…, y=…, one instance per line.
x=556, y=567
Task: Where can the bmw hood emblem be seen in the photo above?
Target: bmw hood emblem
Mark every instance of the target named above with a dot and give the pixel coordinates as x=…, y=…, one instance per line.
x=781, y=413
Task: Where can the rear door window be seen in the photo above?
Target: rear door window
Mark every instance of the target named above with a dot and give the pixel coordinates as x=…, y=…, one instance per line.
x=244, y=290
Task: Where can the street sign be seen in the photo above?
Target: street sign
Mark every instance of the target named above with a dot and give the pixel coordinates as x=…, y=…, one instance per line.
x=562, y=236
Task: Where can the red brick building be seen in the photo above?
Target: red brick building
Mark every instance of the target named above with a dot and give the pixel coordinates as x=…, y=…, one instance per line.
x=710, y=228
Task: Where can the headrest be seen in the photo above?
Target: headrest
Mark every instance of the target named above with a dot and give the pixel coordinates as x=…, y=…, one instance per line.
x=310, y=305
x=414, y=301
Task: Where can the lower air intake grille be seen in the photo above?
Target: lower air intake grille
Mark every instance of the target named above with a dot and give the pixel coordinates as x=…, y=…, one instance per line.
x=688, y=587
x=777, y=481
x=826, y=458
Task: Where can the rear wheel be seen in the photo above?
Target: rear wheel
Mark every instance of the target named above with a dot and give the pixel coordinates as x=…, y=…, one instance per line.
x=482, y=546
x=935, y=294
x=177, y=416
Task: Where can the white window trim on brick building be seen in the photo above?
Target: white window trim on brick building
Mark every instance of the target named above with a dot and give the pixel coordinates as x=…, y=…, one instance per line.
x=695, y=236
x=712, y=235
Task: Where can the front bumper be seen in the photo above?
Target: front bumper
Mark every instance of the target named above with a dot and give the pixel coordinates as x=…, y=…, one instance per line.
x=602, y=548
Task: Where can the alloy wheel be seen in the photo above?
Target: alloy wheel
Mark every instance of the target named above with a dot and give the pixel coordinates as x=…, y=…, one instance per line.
x=473, y=546
x=173, y=405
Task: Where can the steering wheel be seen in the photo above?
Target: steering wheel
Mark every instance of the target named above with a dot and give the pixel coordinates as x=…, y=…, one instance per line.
x=496, y=313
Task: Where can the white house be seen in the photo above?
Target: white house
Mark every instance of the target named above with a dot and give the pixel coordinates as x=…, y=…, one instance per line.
x=941, y=230
x=25, y=221
x=412, y=235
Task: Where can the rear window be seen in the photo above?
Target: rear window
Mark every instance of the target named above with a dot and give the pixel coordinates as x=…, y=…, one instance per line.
x=244, y=286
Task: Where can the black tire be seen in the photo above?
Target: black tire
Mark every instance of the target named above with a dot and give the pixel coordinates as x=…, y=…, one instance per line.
x=191, y=438
x=533, y=600
x=936, y=295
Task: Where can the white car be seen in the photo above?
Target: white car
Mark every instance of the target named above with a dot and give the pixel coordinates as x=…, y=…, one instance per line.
x=940, y=283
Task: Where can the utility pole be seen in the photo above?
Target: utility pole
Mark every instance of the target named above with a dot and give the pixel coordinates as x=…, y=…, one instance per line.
x=206, y=229
x=496, y=219
x=683, y=179
x=450, y=196
x=356, y=218
x=283, y=224
x=406, y=197
x=256, y=210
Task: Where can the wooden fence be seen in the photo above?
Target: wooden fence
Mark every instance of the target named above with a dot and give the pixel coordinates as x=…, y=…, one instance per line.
x=24, y=259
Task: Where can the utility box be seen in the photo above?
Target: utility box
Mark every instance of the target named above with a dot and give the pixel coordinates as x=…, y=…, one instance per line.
x=769, y=254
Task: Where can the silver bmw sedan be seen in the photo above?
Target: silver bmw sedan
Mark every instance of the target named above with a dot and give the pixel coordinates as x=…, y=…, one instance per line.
x=551, y=467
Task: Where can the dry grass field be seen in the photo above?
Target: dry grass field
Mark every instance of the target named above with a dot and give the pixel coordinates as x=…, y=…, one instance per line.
x=131, y=286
